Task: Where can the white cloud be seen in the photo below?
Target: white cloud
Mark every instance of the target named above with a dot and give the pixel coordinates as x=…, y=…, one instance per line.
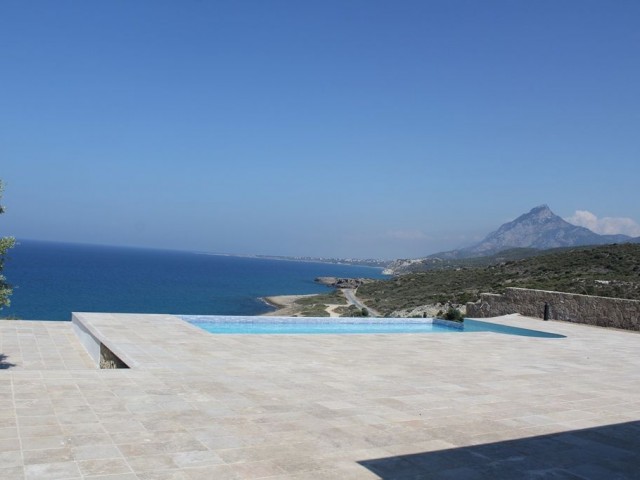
x=605, y=225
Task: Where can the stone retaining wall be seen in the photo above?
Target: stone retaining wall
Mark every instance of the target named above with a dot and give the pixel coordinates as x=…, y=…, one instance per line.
x=591, y=310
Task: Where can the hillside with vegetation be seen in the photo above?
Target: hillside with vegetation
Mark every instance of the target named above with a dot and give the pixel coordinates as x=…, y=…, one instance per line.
x=610, y=271
x=528, y=235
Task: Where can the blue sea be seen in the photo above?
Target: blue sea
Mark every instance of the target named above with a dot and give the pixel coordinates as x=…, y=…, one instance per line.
x=51, y=280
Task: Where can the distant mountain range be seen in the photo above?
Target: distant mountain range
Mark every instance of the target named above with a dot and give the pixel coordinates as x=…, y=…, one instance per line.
x=539, y=229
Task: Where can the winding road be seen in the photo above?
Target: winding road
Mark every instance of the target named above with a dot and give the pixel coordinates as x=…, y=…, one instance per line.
x=350, y=295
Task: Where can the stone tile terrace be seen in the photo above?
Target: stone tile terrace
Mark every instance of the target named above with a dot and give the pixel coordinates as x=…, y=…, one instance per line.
x=201, y=406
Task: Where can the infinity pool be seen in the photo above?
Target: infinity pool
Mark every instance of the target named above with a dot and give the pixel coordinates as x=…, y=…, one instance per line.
x=324, y=325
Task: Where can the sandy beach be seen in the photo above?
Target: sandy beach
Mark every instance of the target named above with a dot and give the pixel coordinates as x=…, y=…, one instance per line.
x=285, y=305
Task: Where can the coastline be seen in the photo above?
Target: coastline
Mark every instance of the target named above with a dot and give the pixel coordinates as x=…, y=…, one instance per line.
x=284, y=304
x=345, y=263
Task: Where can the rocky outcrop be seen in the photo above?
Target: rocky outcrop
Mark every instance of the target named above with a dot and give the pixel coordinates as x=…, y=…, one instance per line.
x=429, y=311
x=336, y=282
x=568, y=307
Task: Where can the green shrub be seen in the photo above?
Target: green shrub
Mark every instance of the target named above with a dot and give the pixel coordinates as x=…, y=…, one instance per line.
x=453, y=314
x=352, y=311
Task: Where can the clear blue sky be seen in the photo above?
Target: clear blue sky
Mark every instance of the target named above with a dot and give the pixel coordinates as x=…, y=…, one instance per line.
x=347, y=128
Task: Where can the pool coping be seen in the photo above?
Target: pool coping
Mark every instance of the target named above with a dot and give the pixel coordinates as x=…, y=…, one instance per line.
x=129, y=340
x=204, y=319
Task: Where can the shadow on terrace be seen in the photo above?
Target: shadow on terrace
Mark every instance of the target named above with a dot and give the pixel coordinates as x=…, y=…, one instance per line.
x=611, y=452
x=3, y=363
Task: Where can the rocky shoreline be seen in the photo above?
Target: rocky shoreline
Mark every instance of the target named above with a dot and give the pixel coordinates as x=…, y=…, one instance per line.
x=337, y=282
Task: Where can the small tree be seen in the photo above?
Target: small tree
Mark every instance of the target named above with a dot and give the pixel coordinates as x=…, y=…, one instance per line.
x=5, y=244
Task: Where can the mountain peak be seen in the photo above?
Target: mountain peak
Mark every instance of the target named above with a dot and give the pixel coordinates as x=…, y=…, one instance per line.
x=544, y=208
x=539, y=228
x=539, y=213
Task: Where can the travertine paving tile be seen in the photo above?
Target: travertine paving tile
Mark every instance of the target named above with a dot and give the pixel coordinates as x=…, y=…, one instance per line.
x=53, y=455
x=200, y=406
x=103, y=466
x=52, y=471
x=12, y=473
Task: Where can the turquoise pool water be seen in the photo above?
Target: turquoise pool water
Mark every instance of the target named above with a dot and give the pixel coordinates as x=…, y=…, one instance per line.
x=306, y=326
